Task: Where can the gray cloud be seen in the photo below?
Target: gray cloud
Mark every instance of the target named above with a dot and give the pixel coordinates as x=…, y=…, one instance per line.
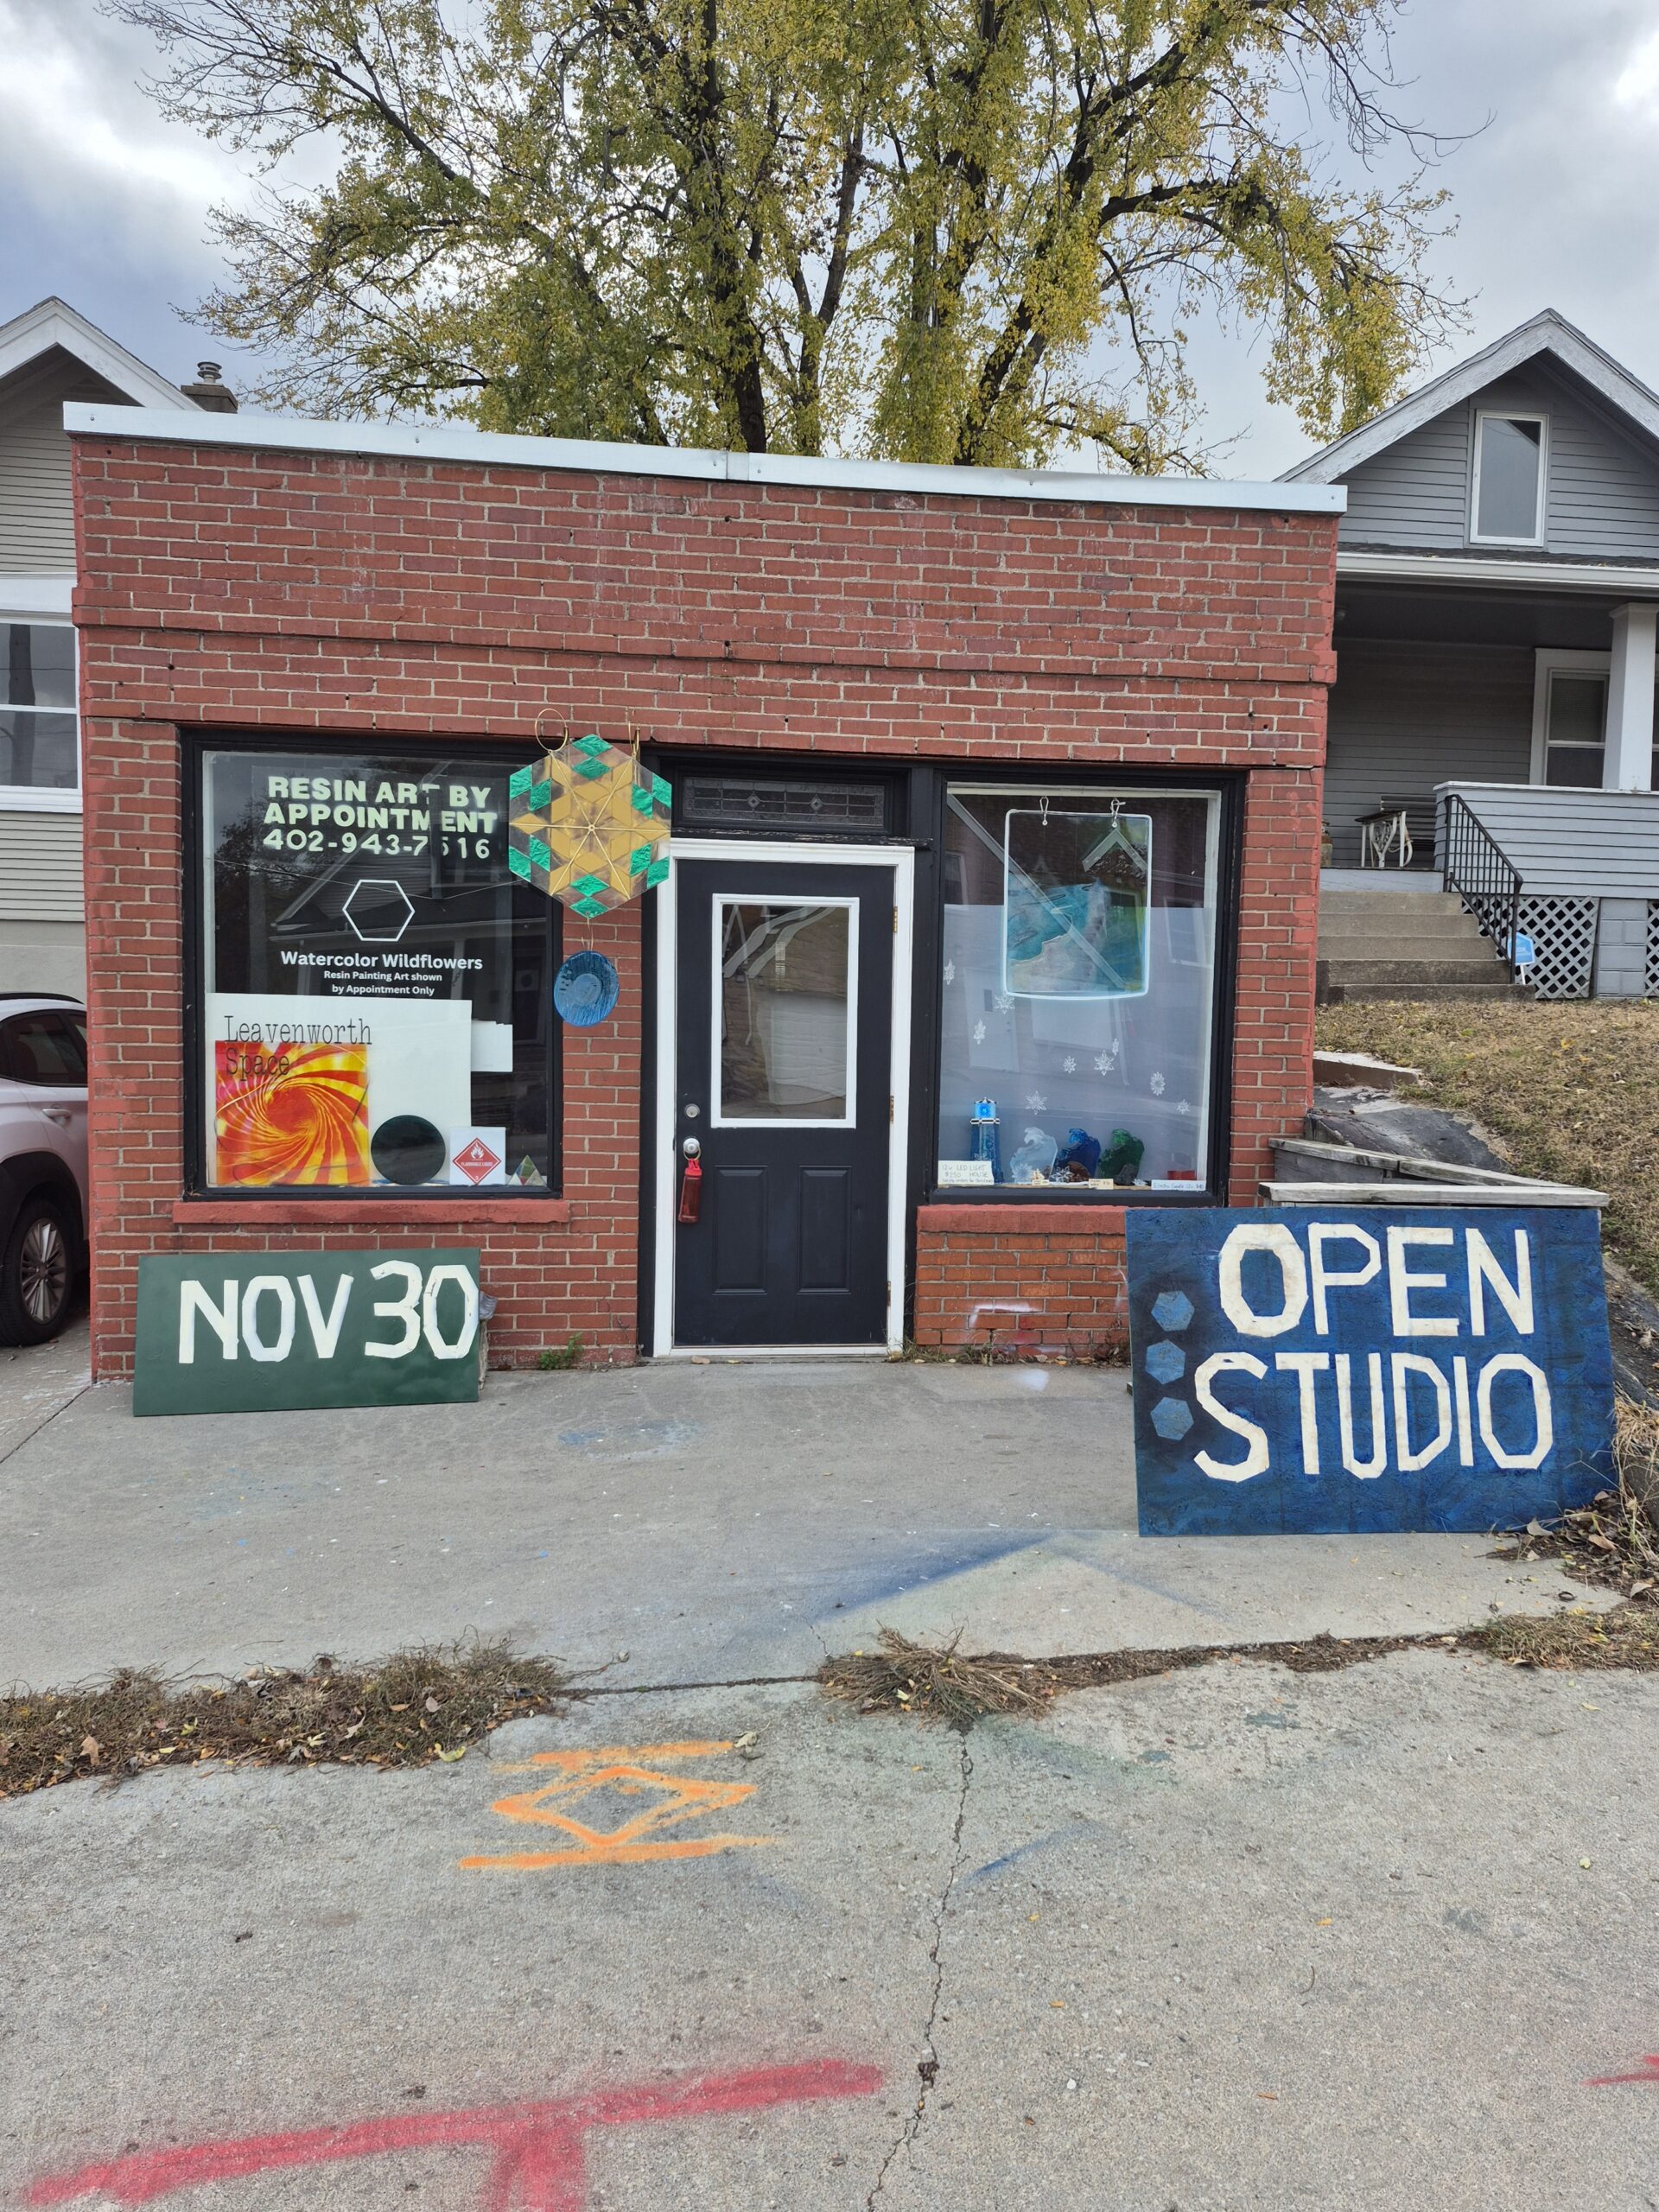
x=106, y=204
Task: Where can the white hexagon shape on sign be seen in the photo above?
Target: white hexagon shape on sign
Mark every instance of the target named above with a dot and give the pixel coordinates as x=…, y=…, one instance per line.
x=379, y=909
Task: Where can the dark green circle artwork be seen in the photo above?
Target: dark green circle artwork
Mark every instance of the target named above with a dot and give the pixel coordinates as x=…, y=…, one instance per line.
x=408, y=1149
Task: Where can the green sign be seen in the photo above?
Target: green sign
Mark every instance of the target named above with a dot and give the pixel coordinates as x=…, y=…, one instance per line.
x=222, y=1333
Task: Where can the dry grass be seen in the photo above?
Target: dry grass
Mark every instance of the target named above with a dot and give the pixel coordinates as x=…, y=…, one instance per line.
x=1614, y=1540
x=1628, y=1637
x=1572, y=1092
x=417, y=1708
x=938, y=1682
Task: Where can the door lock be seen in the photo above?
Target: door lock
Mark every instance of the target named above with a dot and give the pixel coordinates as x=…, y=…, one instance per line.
x=691, y=1146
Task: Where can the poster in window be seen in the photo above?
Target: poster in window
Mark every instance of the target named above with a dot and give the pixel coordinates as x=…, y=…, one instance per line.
x=1076, y=903
x=373, y=971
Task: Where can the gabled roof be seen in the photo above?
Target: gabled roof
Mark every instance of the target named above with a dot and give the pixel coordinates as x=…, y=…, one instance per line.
x=53, y=323
x=1548, y=333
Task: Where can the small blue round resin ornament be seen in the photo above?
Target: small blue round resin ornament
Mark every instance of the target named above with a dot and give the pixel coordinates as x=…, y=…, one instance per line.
x=585, y=989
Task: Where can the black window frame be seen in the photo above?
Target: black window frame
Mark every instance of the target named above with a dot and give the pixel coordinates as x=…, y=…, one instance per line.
x=928, y=1003
x=194, y=745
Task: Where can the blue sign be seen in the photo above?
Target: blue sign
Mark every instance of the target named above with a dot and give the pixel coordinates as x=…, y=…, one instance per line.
x=1311, y=1371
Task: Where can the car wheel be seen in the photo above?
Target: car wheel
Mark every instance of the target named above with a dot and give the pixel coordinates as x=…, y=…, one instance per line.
x=36, y=1275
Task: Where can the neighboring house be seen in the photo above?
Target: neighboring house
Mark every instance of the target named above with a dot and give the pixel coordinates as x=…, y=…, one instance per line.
x=1498, y=585
x=48, y=355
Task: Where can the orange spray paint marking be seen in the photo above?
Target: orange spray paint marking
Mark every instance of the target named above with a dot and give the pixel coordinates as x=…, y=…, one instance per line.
x=627, y=1771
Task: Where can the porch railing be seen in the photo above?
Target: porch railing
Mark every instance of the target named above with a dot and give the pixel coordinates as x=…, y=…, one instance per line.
x=1476, y=868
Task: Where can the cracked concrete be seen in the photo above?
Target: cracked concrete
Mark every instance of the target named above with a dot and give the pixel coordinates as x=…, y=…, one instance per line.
x=1214, y=1941
x=928, y=2065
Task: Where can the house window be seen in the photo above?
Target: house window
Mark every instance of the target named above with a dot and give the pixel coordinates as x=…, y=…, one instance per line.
x=1510, y=462
x=1575, y=730
x=1078, y=981
x=39, y=730
x=377, y=987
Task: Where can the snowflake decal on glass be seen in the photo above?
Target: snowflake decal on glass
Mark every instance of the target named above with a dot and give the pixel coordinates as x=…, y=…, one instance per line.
x=1105, y=1062
x=1035, y=1103
x=1003, y=1002
x=950, y=971
x=1069, y=1063
x=1157, y=1086
x=1182, y=1106
x=979, y=1033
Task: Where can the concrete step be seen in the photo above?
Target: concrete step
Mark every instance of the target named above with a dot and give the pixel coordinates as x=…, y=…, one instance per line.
x=1389, y=903
x=1441, y=970
x=1340, y=992
x=1404, y=944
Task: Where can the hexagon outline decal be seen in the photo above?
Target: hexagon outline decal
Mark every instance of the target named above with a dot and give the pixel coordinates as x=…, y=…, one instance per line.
x=377, y=936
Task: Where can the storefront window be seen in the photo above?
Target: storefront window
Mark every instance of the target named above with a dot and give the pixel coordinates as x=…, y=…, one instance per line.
x=377, y=986
x=1078, y=980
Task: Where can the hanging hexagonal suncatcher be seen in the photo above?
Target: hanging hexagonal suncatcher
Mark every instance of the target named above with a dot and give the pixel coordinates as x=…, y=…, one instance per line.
x=589, y=825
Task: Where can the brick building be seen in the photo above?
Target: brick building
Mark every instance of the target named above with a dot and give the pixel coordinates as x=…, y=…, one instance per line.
x=996, y=838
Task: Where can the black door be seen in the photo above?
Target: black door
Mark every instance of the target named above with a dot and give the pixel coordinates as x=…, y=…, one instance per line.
x=783, y=1076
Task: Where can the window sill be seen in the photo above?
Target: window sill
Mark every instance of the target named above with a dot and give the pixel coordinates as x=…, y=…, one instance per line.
x=467, y=1210
x=24, y=798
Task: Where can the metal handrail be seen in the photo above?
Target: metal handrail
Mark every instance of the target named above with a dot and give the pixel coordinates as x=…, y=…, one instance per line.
x=1476, y=868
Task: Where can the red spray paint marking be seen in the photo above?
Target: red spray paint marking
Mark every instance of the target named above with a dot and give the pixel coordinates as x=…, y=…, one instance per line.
x=537, y=2162
x=1648, y=2071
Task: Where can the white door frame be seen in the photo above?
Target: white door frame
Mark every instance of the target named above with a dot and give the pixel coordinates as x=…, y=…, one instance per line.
x=778, y=852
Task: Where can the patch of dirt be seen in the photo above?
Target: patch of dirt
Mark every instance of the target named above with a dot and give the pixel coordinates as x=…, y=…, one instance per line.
x=1613, y=1541
x=937, y=1682
x=1570, y=1092
x=1628, y=1637
x=418, y=1707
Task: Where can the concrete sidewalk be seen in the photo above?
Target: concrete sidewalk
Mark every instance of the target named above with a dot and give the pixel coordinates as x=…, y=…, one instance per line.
x=711, y=1523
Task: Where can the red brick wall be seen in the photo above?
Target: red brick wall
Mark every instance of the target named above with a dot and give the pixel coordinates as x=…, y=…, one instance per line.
x=363, y=598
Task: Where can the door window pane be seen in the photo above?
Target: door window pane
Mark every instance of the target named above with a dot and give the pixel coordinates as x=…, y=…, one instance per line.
x=784, y=999
x=377, y=984
x=1576, y=732
x=1077, y=982
x=1511, y=463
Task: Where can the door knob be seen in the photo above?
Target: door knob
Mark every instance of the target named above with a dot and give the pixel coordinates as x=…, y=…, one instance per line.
x=691, y=1146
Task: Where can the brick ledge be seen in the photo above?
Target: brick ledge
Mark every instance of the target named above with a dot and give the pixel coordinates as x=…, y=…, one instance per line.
x=1023, y=1221
x=465, y=1212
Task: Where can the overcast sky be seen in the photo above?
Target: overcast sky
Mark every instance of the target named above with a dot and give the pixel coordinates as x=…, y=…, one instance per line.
x=105, y=204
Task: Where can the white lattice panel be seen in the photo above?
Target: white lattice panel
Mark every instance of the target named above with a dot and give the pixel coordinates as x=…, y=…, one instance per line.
x=1563, y=933
x=1651, y=984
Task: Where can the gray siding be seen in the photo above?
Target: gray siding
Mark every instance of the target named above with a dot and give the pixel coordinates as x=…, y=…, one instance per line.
x=1415, y=496
x=39, y=867
x=1404, y=717
x=37, y=525
x=1602, y=501
x=1582, y=844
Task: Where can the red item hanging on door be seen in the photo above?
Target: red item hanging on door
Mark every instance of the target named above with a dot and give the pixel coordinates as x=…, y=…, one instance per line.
x=691, y=1189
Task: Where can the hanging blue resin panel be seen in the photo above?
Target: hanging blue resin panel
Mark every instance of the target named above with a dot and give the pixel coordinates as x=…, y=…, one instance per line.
x=1315, y=1371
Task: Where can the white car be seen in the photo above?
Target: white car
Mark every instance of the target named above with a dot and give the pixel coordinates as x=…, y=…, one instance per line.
x=42, y=1162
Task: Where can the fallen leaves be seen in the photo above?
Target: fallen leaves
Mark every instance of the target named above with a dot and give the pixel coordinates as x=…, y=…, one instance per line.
x=136, y=1719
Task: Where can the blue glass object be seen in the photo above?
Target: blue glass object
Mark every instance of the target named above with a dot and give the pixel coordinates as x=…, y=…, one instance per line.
x=585, y=989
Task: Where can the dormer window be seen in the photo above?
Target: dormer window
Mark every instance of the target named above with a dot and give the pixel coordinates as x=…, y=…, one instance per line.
x=1511, y=454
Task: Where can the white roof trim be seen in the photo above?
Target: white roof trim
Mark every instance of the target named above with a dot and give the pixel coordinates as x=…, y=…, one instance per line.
x=281, y=433
x=53, y=323
x=1598, y=576
x=1547, y=333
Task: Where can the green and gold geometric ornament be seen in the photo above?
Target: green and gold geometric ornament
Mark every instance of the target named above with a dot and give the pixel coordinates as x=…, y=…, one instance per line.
x=589, y=825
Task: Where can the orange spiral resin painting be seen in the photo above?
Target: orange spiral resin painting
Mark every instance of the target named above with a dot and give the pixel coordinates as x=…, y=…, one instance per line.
x=291, y=1113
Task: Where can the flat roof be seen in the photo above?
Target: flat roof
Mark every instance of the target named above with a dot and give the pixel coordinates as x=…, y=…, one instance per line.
x=446, y=443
